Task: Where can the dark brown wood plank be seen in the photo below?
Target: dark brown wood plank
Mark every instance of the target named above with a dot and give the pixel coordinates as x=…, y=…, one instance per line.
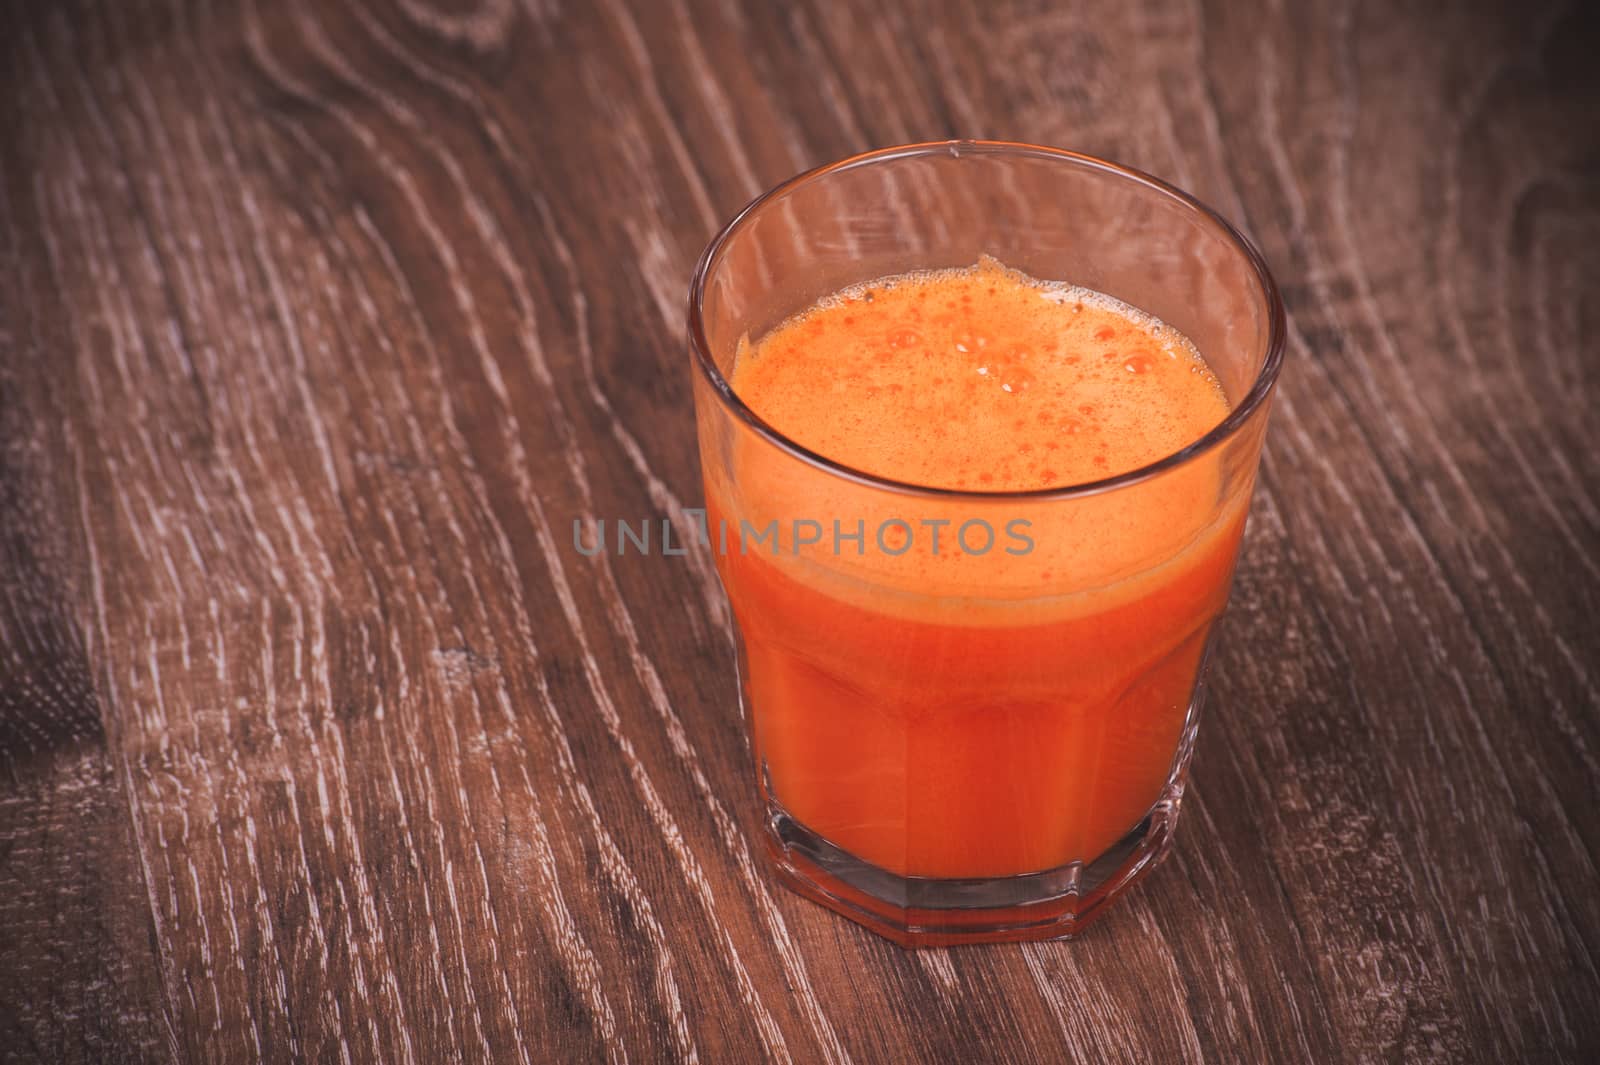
x=80, y=975
x=329, y=318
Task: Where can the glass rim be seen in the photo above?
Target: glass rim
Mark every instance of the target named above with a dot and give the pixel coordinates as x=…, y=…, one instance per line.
x=1237, y=417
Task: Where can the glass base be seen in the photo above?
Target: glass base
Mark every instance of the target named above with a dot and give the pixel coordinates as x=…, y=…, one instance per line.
x=916, y=911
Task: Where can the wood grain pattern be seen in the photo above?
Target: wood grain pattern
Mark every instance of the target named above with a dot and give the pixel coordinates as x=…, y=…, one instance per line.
x=324, y=320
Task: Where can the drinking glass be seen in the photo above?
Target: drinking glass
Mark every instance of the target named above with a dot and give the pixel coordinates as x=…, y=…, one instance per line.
x=984, y=743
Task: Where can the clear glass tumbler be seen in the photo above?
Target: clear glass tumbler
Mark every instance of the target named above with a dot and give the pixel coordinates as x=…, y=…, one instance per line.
x=993, y=747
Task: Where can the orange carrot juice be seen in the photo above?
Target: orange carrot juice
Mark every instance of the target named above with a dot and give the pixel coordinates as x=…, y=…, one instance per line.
x=967, y=684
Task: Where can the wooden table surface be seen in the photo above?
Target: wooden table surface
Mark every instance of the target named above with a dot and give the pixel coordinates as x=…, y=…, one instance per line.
x=322, y=321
